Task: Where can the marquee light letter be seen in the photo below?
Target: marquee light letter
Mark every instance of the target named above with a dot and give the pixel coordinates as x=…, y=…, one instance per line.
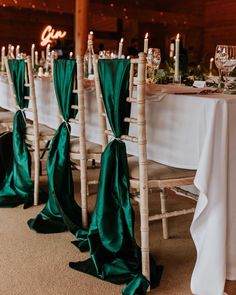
x=50, y=34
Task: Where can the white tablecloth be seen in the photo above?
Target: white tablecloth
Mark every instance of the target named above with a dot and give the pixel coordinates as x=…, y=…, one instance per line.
x=185, y=131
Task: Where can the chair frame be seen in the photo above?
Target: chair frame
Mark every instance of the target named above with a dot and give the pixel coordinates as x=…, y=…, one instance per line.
x=143, y=185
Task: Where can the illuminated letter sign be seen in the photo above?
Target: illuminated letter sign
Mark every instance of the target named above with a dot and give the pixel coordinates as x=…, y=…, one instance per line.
x=50, y=34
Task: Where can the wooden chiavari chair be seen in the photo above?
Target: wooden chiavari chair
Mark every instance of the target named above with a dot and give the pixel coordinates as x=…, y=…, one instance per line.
x=145, y=175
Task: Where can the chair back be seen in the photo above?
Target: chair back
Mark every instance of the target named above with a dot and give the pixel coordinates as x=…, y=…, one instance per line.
x=29, y=100
x=136, y=77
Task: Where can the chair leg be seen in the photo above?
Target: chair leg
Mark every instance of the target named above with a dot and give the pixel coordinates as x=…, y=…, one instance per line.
x=144, y=228
x=163, y=197
x=83, y=184
x=36, y=176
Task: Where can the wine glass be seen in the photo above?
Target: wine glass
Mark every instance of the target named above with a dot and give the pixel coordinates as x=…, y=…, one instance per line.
x=153, y=61
x=228, y=64
x=104, y=54
x=220, y=58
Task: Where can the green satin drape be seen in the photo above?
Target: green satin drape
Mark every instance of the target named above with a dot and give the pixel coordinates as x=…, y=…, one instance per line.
x=17, y=187
x=61, y=212
x=110, y=238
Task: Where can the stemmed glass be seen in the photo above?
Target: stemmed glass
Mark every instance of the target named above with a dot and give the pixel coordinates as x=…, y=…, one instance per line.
x=229, y=64
x=105, y=54
x=225, y=60
x=220, y=57
x=153, y=61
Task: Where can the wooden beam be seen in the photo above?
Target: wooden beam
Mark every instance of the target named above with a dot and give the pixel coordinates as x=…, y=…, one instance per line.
x=81, y=26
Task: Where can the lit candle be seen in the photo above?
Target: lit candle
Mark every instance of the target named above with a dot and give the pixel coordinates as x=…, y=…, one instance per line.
x=3, y=53
x=172, y=49
x=9, y=51
x=145, y=46
x=211, y=66
x=32, y=55
x=47, y=57
x=71, y=55
x=177, y=57
x=120, y=48
x=90, y=53
x=18, y=51
x=36, y=56
x=90, y=36
x=52, y=57
x=47, y=50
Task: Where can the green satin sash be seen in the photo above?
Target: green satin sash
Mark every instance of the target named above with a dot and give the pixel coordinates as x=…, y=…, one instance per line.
x=61, y=212
x=17, y=187
x=110, y=238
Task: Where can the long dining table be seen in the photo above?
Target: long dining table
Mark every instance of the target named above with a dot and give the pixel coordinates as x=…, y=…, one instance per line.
x=185, y=129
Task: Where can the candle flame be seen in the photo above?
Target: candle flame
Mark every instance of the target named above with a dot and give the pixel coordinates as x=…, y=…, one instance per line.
x=33, y=45
x=121, y=40
x=91, y=32
x=177, y=37
x=146, y=35
x=212, y=59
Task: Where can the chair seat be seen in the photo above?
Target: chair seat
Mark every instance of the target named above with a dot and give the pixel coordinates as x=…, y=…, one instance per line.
x=91, y=147
x=6, y=117
x=157, y=171
x=43, y=130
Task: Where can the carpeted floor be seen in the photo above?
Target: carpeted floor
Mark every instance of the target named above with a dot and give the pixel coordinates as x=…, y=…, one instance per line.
x=37, y=264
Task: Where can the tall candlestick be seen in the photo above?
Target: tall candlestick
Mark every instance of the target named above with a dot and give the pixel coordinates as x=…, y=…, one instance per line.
x=90, y=36
x=90, y=53
x=177, y=40
x=47, y=57
x=211, y=66
x=36, y=56
x=32, y=55
x=120, y=47
x=3, y=53
x=47, y=50
x=145, y=45
x=52, y=58
x=18, y=51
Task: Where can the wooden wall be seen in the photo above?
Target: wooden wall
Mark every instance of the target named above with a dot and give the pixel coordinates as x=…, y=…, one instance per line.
x=24, y=27
x=203, y=24
x=220, y=25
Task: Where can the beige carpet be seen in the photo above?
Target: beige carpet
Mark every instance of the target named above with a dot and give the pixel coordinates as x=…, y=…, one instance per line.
x=37, y=264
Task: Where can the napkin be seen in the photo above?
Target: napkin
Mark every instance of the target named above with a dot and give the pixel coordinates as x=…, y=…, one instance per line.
x=180, y=89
